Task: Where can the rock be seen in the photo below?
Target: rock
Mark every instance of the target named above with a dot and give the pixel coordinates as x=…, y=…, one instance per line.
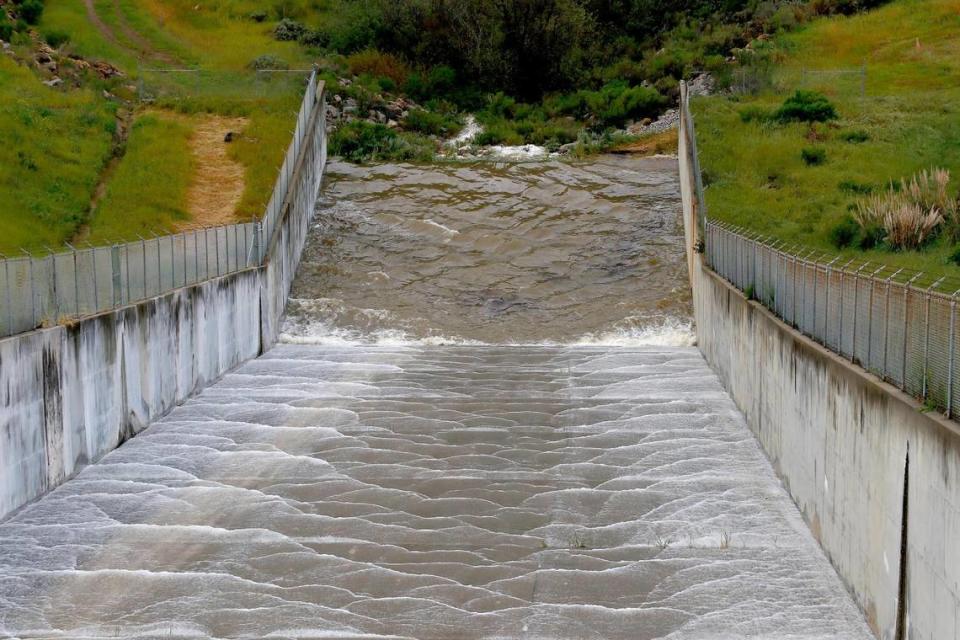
x=230, y=137
x=377, y=116
x=393, y=124
x=108, y=95
x=106, y=70
x=337, y=99
x=43, y=57
x=567, y=148
x=702, y=85
x=53, y=82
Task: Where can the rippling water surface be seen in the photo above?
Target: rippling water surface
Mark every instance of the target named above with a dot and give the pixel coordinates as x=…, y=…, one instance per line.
x=496, y=253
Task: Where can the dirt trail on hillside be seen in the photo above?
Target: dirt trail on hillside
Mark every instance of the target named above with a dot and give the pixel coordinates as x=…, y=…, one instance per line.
x=142, y=48
x=219, y=180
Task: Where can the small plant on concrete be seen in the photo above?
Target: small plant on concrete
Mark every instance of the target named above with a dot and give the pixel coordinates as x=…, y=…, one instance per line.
x=750, y=292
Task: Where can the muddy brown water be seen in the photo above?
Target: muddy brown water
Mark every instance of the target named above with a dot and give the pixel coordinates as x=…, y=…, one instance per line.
x=545, y=252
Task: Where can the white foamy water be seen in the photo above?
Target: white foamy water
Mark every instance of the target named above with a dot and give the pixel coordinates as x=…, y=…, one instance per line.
x=438, y=492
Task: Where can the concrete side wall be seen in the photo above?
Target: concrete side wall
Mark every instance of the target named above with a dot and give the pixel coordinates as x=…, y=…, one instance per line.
x=70, y=394
x=839, y=439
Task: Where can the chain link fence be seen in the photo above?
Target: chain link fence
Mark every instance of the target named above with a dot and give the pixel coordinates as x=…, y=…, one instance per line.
x=900, y=325
x=39, y=291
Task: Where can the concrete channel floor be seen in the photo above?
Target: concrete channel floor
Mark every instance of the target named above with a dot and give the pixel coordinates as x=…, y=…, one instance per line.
x=430, y=492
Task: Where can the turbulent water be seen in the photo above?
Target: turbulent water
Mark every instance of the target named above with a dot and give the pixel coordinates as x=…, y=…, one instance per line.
x=456, y=493
x=548, y=252
x=473, y=447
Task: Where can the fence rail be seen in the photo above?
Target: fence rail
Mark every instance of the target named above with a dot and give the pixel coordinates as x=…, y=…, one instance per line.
x=37, y=291
x=900, y=325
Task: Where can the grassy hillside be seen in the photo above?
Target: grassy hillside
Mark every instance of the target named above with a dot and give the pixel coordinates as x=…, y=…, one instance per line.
x=907, y=120
x=58, y=179
x=54, y=146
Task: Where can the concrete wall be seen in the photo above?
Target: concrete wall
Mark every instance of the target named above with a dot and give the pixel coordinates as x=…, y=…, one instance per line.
x=839, y=439
x=70, y=394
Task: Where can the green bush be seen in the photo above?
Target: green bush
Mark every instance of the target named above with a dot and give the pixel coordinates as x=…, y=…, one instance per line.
x=813, y=156
x=806, y=106
x=845, y=233
x=612, y=106
x=855, y=136
x=268, y=62
x=955, y=256
x=872, y=237
x=259, y=15
x=360, y=141
x=56, y=39
x=288, y=30
x=30, y=11
x=432, y=123
x=6, y=28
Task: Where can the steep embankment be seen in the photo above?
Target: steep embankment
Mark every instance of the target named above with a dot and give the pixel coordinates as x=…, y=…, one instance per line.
x=893, y=76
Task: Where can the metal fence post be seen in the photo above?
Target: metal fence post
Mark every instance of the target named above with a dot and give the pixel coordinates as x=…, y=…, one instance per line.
x=143, y=248
x=886, y=326
x=115, y=288
x=76, y=278
x=926, y=336
x=906, y=328
x=953, y=336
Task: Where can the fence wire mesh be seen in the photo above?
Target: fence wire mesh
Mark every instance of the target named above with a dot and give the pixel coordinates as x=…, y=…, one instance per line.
x=897, y=325
x=37, y=291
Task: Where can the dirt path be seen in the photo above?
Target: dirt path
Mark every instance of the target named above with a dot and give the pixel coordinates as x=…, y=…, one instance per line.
x=219, y=180
x=124, y=123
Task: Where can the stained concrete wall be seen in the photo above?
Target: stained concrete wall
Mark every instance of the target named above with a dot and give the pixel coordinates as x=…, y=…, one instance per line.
x=839, y=439
x=70, y=394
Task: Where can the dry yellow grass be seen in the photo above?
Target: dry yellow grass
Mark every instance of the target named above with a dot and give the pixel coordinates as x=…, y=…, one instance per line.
x=219, y=180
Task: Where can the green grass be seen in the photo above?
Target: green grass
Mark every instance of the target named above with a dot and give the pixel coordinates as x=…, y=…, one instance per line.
x=54, y=146
x=145, y=195
x=57, y=142
x=910, y=117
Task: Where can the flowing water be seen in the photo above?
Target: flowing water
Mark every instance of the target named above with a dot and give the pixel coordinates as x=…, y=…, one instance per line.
x=403, y=477
x=528, y=253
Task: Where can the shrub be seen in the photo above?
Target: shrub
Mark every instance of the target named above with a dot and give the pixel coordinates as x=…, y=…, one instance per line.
x=56, y=39
x=259, y=15
x=30, y=11
x=955, y=256
x=845, y=233
x=855, y=136
x=288, y=30
x=6, y=28
x=315, y=38
x=379, y=65
x=432, y=123
x=360, y=141
x=268, y=62
x=813, y=156
x=911, y=214
x=806, y=106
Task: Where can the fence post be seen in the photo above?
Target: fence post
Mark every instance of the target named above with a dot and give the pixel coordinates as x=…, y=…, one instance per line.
x=926, y=336
x=33, y=290
x=76, y=279
x=886, y=325
x=115, y=287
x=906, y=327
x=953, y=335
x=96, y=288
x=856, y=311
x=143, y=249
